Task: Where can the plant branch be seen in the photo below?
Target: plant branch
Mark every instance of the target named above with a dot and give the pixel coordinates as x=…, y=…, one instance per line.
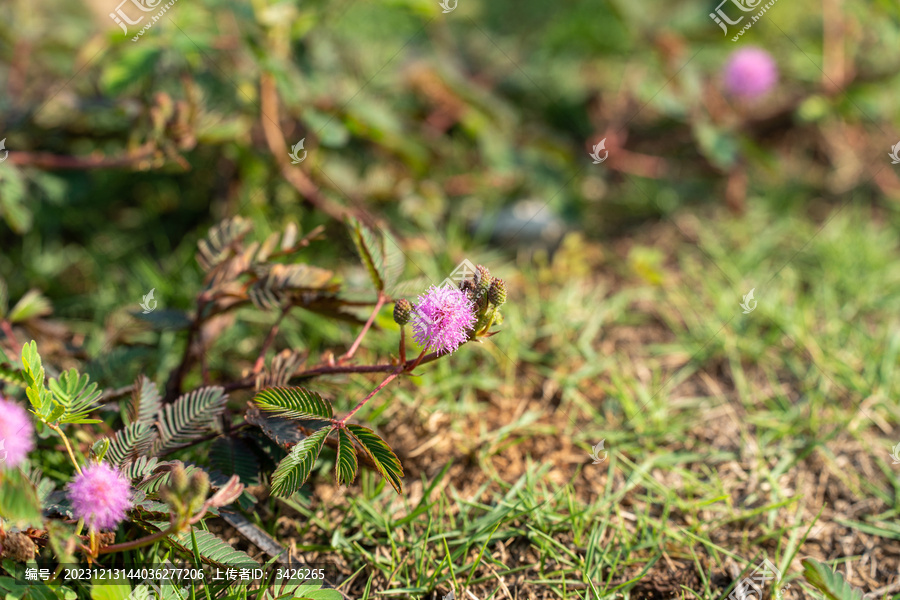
x=382, y=298
x=261, y=359
x=381, y=385
x=65, y=440
x=173, y=389
x=248, y=383
x=44, y=160
x=278, y=147
x=140, y=542
x=8, y=332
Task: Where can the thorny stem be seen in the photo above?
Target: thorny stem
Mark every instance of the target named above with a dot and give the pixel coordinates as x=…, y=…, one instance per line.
x=68, y=446
x=349, y=354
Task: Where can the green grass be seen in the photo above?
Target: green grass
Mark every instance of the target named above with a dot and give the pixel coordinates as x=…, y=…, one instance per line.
x=727, y=433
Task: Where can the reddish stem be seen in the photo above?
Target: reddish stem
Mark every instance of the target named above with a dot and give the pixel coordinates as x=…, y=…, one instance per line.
x=260, y=360
x=381, y=385
x=349, y=354
x=8, y=332
x=403, y=367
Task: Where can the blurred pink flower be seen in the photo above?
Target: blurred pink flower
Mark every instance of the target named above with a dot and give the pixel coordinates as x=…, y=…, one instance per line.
x=442, y=318
x=16, y=434
x=100, y=495
x=750, y=72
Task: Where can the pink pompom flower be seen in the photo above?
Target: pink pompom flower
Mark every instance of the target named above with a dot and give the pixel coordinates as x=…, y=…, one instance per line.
x=442, y=318
x=750, y=72
x=100, y=495
x=16, y=434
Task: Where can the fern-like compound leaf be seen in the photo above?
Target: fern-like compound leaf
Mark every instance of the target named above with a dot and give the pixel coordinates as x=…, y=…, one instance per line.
x=295, y=403
x=189, y=417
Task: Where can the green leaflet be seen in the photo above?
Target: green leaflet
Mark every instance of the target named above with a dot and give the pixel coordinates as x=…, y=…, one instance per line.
x=381, y=454
x=831, y=583
x=293, y=471
x=295, y=403
x=345, y=466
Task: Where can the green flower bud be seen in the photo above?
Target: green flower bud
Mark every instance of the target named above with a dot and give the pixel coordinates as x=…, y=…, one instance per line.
x=199, y=485
x=482, y=279
x=179, y=479
x=169, y=497
x=402, y=311
x=497, y=292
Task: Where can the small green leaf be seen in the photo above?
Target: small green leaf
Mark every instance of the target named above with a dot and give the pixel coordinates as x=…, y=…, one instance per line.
x=296, y=403
x=58, y=411
x=381, y=454
x=32, y=304
x=293, y=471
x=99, y=449
x=18, y=499
x=345, y=466
x=34, y=377
x=829, y=582
x=76, y=394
